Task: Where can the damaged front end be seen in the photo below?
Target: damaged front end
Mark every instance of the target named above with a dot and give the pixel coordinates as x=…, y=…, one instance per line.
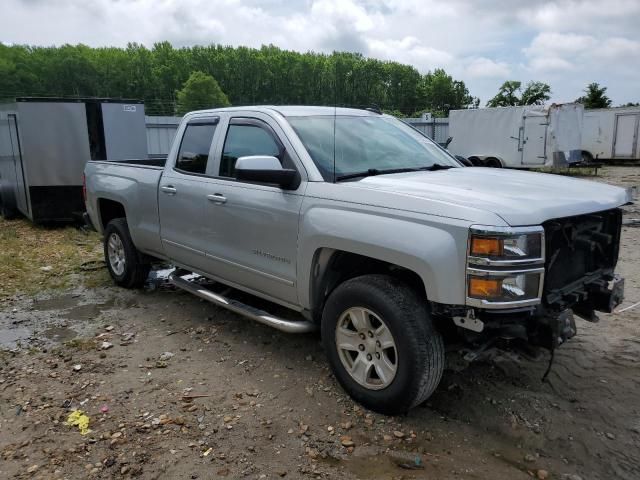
x=525, y=285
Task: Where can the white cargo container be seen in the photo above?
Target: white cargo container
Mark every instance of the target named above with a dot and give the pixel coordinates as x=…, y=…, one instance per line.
x=518, y=137
x=611, y=133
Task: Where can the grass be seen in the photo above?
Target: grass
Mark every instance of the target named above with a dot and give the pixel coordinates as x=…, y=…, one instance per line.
x=27, y=250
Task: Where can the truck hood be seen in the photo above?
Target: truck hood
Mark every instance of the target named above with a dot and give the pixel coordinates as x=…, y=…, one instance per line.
x=520, y=198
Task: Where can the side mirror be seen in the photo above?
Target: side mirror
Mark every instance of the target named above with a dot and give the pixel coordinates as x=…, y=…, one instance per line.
x=265, y=169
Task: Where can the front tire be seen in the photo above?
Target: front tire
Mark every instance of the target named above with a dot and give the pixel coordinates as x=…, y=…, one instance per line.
x=381, y=343
x=125, y=264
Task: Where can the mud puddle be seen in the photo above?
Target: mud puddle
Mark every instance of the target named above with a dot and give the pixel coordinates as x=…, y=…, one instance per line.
x=11, y=338
x=88, y=311
x=56, y=303
x=59, y=334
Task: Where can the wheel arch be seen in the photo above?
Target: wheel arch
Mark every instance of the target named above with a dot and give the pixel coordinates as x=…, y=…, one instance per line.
x=109, y=209
x=332, y=267
x=431, y=249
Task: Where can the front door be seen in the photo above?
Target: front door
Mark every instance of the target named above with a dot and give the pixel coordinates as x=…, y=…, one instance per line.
x=626, y=136
x=534, y=141
x=253, y=228
x=182, y=195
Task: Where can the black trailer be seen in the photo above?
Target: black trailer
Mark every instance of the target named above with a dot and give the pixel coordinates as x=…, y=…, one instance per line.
x=46, y=142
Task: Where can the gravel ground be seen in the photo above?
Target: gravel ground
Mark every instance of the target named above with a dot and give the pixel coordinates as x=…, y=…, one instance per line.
x=177, y=388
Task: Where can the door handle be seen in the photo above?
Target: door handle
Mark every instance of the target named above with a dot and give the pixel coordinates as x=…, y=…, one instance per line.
x=169, y=189
x=217, y=198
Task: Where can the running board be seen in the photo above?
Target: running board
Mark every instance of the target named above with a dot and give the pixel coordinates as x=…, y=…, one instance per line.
x=289, y=326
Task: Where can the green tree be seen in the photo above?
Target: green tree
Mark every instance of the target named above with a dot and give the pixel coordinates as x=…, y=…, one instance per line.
x=439, y=93
x=535, y=93
x=268, y=75
x=200, y=91
x=507, y=95
x=595, y=97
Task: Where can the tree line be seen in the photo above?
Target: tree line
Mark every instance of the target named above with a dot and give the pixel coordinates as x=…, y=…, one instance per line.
x=174, y=80
x=268, y=75
x=538, y=93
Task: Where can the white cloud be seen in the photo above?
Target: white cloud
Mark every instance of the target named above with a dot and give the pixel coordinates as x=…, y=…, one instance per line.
x=345, y=12
x=410, y=50
x=619, y=49
x=579, y=15
x=567, y=43
x=559, y=43
x=550, y=64
x=485, y=67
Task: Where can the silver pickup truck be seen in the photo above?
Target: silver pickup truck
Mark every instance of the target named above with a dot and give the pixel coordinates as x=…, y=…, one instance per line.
x=364, y=228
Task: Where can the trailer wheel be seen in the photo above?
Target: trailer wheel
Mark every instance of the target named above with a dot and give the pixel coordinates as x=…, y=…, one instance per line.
x=381, y=343
x=125, y=263
x=493, y=162
x=586, y=157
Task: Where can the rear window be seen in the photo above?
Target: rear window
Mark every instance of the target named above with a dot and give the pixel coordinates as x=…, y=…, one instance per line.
x=194, y=148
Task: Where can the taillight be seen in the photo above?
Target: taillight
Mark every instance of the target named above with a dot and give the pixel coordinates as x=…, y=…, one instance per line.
x=84, y=188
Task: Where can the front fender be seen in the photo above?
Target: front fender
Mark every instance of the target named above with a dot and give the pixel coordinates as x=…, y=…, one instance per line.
x=432, y=247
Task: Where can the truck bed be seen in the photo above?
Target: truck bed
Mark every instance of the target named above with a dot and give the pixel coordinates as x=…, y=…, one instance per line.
x=128, y=183
x=134, y=162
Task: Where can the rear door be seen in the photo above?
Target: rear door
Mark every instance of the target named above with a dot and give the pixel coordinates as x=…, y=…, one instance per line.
x=534, y=138
x=182, y=195
x=625, y=140
x=252, y=228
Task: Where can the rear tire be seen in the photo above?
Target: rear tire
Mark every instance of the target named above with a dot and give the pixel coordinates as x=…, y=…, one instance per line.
x=125, y=263
x=396, y=360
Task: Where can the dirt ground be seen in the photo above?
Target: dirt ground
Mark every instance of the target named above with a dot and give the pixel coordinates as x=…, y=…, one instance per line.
x=182, y=389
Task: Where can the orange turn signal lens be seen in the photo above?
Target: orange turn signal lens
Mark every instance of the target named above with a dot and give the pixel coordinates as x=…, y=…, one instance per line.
x=486, y=246
x=480, y=287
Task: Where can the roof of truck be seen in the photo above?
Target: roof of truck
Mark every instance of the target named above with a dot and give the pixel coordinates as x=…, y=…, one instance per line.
x=299, y=110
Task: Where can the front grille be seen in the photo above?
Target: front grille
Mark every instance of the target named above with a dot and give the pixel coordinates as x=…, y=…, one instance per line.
x=579, y=251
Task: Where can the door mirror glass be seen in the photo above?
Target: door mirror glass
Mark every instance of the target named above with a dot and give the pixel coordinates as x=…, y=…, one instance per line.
x=265, y=169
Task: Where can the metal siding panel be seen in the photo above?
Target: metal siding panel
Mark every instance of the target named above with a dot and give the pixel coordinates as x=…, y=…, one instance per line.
x=55, y=142
x=160, y=133
x=124, y=131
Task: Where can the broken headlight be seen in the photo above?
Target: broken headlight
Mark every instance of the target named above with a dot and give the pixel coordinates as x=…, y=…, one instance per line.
x=505, y=266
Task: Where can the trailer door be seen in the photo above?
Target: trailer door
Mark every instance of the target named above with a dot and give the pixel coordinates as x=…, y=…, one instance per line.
x=534, y=140
x=625, y=140
x=125, y=132
x=21, y=190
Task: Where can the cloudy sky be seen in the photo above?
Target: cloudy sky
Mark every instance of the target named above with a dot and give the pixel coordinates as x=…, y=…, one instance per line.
x=566, y=43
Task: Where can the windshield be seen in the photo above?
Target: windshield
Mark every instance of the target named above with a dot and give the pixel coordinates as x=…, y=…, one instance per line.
x=365, y=143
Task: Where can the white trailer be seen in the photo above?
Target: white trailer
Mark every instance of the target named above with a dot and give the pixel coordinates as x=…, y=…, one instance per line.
x=611, y=133
x=518, y=137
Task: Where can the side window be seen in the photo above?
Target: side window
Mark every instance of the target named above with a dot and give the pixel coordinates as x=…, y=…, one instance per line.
x=194, y=148
x=243, y=140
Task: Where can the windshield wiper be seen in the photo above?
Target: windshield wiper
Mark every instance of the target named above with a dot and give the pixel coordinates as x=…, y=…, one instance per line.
x=437, y=166
x=375, y=171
